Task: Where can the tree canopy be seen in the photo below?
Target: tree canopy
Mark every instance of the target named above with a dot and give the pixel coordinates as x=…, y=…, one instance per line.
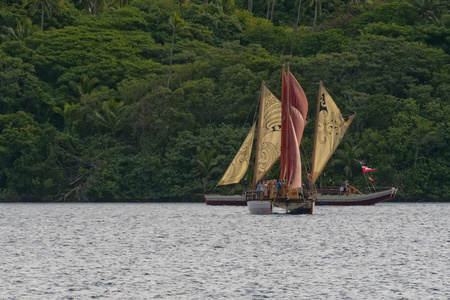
x=150, y=99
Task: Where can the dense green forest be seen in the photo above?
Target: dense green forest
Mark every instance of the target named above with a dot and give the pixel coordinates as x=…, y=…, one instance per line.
x=107, y=100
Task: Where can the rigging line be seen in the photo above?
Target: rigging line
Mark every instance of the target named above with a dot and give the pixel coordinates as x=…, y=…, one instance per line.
x=255, y=113
x=306, y=158
x=310, y=187
x=214, y=188
x=232, y=190
x=334, y=96
x=272, y=91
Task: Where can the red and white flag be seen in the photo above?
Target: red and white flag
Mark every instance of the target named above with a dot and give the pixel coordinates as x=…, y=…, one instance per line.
x=367, y=169
x=371, y=179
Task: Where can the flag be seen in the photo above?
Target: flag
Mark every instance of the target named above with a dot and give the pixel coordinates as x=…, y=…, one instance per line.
x=371, y=179
x=367, y=169
x=362, y=163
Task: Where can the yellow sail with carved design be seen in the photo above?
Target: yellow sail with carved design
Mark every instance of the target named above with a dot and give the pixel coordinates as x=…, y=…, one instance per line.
x=330, y=129
x=239, y=165
x=268, y=146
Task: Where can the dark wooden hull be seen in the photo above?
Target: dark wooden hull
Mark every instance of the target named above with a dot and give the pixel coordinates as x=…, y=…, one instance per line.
x=236, y=200
x=365, y=199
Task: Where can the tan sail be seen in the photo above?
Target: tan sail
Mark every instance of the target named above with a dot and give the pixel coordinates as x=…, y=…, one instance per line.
x=239, y=165
x=330, y=129
x=268, y=146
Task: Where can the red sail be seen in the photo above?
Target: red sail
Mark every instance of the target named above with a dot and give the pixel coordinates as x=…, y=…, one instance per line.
x=295, y=108
x=297, y=124
x=284, y=126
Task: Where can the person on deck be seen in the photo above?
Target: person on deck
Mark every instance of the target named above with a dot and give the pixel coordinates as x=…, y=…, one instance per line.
x=344, y=188
x=278, y=188
x=265, y=190
x=260, y=188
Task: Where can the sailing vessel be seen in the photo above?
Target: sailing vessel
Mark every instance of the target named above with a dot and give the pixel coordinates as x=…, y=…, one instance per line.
x=285, y=193
x=329, y=131
x=280, y=130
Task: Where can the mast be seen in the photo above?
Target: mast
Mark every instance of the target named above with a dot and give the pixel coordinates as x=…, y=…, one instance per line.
x=284, y=127
x=315, y=130
x=288, y=117
x=258, y=133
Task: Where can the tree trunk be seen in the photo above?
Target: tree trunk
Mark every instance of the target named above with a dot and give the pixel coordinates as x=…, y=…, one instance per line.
x=205, y=181
x=295, y=27
x=42, y=17
x=273, y=8
x=315, y=15
x=250, y=5
x=268, y=9
x=171, y=55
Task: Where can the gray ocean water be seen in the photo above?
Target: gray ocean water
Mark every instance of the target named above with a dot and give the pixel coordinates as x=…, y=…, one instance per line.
x=194, y=251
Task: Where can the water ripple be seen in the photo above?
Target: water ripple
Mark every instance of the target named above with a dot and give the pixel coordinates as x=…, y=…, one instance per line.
x=194, y=251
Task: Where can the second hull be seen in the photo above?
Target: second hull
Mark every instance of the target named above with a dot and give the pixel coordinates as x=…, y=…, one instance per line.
x=236, y=200
x=265, y=207
x=259, y=207
x=365, y=199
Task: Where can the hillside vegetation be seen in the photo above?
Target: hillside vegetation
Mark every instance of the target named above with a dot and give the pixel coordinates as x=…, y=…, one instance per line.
x=106, y=100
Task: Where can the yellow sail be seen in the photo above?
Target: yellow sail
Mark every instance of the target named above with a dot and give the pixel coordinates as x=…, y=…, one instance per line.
x=239, y=165
x=268, y=146
x=330, y=129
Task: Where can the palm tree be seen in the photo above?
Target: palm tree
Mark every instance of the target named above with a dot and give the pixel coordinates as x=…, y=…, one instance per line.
x=178, y=25
x=46, y=6
x=207, y=162
x=347, y=159
x=114, y=116
x=70, y=113
x=429, y=9
x=85, y=86
x=22, y=30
